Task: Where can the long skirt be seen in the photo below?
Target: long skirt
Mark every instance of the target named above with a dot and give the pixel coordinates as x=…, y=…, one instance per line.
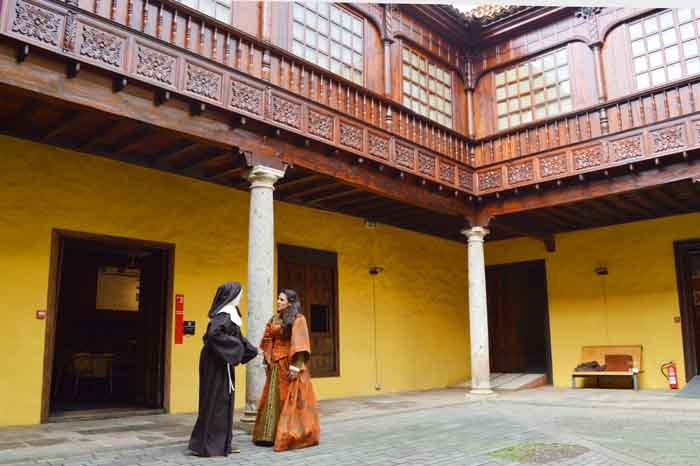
x=287, y=414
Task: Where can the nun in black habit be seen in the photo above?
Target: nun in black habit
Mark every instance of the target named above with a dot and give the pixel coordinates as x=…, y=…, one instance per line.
x=224, y=348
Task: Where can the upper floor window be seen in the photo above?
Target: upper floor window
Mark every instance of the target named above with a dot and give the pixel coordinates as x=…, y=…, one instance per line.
x=219, y=9
x=427, y=88
x=536, y=89
x=665, y=47
x=331, y=37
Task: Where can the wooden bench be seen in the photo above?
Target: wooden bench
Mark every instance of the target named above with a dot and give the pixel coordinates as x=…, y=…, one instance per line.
x=621, y=361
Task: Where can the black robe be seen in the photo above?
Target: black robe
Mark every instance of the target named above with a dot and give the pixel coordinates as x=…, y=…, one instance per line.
x=223, y=343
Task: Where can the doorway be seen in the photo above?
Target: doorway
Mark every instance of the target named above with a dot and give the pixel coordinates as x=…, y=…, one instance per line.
x=688, y=279
x=106, y=333
x=313, y=274
x=518, y=318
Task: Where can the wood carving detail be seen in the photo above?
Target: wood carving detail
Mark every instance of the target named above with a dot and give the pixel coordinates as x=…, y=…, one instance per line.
x=491, y=179
x=101, y=46
x=286, y=112
x=426, y=164
x=36, y=23
x=155, y=65
x=521, y=172
x=404, y=155
x=629, y=148
x=320, y=125
x=351, y=136
x=447, y=172
x=202, y=82
x=466, y=179
x=553, y=165
x=668, y=139
x=378, y=146
x=588, y=157
x=245, y=97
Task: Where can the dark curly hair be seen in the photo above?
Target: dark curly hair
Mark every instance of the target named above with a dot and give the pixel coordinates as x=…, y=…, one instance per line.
x=294, y=306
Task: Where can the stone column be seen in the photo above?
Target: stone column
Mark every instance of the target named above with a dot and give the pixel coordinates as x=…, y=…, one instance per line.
x=261, y=265
x=478, y=315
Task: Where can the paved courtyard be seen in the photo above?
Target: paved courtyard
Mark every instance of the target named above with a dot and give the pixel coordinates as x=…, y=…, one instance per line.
x=434, y=428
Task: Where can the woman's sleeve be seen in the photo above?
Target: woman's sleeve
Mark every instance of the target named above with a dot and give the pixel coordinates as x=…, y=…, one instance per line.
x=266, y=344
x=301, y=347
x=228, y=347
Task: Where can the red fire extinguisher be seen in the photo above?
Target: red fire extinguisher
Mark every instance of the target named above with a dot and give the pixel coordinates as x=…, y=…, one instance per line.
x=669, y=371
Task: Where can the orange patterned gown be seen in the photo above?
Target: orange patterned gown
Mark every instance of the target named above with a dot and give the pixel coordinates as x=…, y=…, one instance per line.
x=287, y=414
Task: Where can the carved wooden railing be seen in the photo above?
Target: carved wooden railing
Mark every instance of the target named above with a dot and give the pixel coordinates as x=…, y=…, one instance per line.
x=652, y=124
x=629, y=112
x=170, y=46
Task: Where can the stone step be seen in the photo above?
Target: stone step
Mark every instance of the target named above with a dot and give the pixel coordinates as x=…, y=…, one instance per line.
x=511, y=381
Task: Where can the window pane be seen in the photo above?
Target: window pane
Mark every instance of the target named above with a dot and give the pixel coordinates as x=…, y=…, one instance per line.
x=511, y=75
x=335, y=32
x=515, y=119
x=658, y=76
x=550, y=77
x=323, y=43
x=323, y=26
x=298, y=31
x=525, y=101
x=672, y=54
x=512, y=89
x=297, y=48
x=526, y=117
x=524, y=86
x=502, y=108
x=643, y=81
x=298, y=12
x=564, y=72
x=335, y=14
x=640, y=64
x=674, y=72
x=687, y=31
x=357, y=26
x=540, y=112
x=650, y=25
x=513, y=104
x=566, y=105
x=323, y=60
x=539, y=97
x=656, y=60
x=503, y=123
x=207, y=7
x=538, y=81
x=223, y=13
x=357, y=43
x=358, y=62
x=523, y=71
x=548, y=62
x=561, y=57
x=565, y=88
x=553, y=108
x=500, y=79
x=690, y=48
x=323, y=9
x=311, y=37
x=536, y=66
x=636, y=31
x=653, y=42
x=638, y=48
x=347, y=21
x=685, y=14
x=670, y=37
x=347, y=38
x=335, y=66
x=552, y=93
x=310, y=19
x=500, y=92
x=311, y=54
x=335, y=53
x=666, y=20
x=693, y=65
x=358, y=77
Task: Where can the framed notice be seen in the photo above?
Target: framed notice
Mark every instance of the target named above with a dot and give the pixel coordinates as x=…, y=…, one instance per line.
x=118, y=289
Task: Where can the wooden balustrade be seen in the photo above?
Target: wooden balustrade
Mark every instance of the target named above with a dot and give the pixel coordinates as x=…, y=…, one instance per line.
x=634, y=111
x=183, y=27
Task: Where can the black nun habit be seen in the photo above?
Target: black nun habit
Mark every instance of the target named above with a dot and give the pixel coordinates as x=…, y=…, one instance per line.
x=224, y=348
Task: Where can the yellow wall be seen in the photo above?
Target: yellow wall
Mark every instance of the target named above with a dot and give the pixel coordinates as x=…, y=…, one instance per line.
x=420, y=297
x=634, y=304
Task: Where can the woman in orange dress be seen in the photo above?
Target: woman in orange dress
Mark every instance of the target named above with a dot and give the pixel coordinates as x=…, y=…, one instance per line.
x=287, y=414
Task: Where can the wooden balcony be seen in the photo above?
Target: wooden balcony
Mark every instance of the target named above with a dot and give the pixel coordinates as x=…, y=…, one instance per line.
x=640, y=130
x=181, y=53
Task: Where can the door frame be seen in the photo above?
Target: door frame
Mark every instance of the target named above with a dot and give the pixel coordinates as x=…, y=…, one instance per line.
x=543, y=265
x=58, y=238
x=682, y=250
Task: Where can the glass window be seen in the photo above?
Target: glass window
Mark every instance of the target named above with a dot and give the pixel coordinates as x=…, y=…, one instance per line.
x=333, y=38
x=522, y=90
x=659, y=57
x=433, y=85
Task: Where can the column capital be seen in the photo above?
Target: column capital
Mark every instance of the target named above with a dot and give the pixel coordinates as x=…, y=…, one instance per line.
x=261, y=176
x=475, y=233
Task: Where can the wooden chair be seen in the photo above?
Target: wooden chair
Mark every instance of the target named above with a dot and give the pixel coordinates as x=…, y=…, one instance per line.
x=620, y=361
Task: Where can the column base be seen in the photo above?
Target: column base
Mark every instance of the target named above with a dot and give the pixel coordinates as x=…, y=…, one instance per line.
x=481, y=391
x=247, y=422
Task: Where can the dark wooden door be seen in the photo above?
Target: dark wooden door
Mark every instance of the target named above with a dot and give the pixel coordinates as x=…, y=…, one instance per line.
x=152, y=301
x=518, y=317
x=688, y=275
x=313, y=275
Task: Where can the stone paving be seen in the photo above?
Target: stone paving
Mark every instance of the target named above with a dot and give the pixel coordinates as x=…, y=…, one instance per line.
x=556, y=427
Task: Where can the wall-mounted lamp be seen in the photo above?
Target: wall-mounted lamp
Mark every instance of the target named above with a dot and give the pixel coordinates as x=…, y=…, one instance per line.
x=375, y=270
x=601, y=270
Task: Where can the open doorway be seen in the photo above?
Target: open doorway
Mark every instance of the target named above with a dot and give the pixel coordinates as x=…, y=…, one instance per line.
x=688, y=275
x=106, y=349
x=518, y=318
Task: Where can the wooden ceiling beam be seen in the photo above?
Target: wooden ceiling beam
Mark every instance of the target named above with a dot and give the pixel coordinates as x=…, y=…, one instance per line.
x=134, y=140
x=328, y=185
x=668, y=200
x=338, y=195
x=284, y=186
x=69, y=119
x=679, y=171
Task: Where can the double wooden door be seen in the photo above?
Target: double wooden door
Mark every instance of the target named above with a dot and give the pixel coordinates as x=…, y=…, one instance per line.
x=688, y=274
x=313, y=275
